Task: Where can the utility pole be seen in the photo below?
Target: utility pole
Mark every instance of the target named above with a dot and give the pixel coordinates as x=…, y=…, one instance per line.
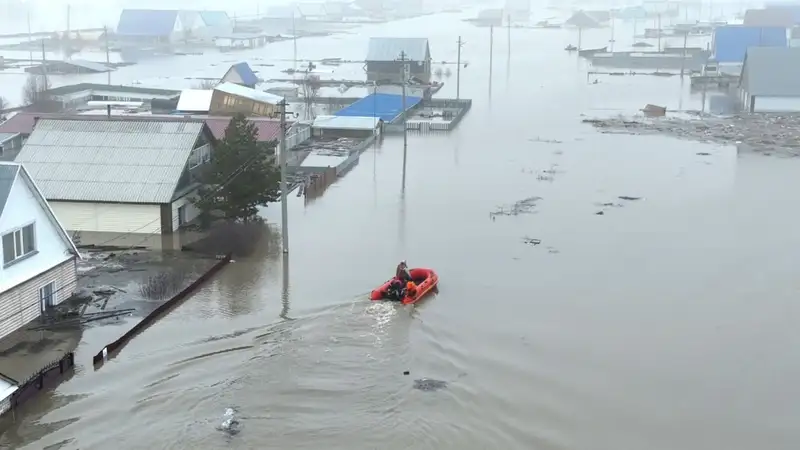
x=683, y=61
x=30, y=37
x=69, y=16
x=405, y=74
x=458, y=69
x=108, y=56
x=611, y=41
x=491, y=56
x=659, y=33
x=294, y=43
x=283, y=162
x=44, y=69
x=508, y=26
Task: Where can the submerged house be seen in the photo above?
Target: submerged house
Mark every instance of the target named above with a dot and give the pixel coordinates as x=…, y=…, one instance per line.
x=214, y=24
x=770, y=80
x=121, y=174
x=731, y=42
x=152, y=26
x=582, y=20
x=241, y=74
x=38, y=269
x=384, y=64
x=229, y=99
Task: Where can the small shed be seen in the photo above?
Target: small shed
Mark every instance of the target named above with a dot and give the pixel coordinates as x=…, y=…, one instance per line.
x=346, y=126
x=770, y=80
x=383, y=59
x=230, y=99
x=241, y=74
x=387, y=107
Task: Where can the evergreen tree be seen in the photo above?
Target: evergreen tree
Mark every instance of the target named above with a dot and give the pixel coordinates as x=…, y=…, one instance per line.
x=241, y=176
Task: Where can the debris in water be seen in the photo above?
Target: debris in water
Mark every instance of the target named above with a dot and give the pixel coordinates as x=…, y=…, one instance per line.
x=429, y=384
x=229, y=423
x=546, y=141
x=625, y=197
x=552, y=250
x=406, y=372
x=703, y=154
x=599, y=213
x=524, y=206
x=531, y=241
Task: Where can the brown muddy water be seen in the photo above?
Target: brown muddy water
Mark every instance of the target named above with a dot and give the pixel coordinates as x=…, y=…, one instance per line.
x=666, y=322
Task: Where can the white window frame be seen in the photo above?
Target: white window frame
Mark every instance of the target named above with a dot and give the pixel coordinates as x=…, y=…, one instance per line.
x=42, y=300
x=19, y=253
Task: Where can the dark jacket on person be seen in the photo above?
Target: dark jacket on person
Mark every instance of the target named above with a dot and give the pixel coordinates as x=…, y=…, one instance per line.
x=402, y=273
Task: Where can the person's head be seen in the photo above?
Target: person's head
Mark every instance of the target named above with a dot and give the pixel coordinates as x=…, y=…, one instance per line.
x=403, y=263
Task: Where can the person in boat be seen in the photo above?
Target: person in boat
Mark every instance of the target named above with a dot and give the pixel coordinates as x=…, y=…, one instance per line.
x=411, y=289
x=401, y=273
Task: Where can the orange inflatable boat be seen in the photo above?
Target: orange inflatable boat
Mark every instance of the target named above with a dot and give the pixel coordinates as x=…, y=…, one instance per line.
x=424, y=282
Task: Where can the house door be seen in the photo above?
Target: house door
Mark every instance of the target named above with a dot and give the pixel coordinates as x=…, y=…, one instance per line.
x=46, y=295
x=181, y=216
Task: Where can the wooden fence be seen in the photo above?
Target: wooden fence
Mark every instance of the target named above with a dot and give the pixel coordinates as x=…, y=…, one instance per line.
x=115, y=347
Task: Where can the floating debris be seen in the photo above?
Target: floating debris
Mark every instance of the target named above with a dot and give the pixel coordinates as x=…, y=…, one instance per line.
x=600, y=213
x=631, y=199
x=760, y=133
x=545, y=141
x=229, y=423
x=524, y=206
x=531, y=241
x=429, y=384
x=703, y=154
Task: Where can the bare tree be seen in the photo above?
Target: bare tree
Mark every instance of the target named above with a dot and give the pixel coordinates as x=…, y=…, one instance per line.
x=35, y=89
x=206, y=84
x=3, y=105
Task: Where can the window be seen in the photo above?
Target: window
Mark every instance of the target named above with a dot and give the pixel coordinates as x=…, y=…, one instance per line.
x=19, y=243
x=229, y=100
x=47, y=294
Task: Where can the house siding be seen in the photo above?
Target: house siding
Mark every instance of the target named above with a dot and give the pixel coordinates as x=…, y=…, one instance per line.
x=192, y=211
x=21, y=304
x=393, y=70
x=776, y=104
x=108, y=217
x=5, y=405
x=241, y=105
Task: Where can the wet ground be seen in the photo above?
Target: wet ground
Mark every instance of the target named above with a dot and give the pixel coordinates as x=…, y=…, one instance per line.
x=665, y=322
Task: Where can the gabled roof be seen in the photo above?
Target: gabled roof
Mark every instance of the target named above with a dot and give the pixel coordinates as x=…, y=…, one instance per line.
x=109, y=160
x=10, y=172
x=195, y=100
x=770, y=17
x=215, y=18
x=389, y=49
x=582, y=20
x=249, y=93
x=245, y=73
x=147, y=22
x=730, y=42
x=772, y=71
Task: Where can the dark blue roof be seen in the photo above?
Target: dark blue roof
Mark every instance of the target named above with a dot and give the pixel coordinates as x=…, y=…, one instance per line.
x=731, y=42
x=146, y=22
x=247, y=75
x=384, y=106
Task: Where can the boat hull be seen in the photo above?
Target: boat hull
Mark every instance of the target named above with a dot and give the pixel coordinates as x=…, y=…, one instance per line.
x=425, y=279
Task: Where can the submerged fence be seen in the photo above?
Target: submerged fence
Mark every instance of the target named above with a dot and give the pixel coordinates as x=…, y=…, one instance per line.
x=114, y=348
x=48, y=376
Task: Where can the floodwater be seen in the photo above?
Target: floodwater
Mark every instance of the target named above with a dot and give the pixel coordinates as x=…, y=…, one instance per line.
x=666, y=322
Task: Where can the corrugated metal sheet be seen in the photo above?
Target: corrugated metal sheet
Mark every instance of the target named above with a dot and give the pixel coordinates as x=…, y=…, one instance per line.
x=389, y=49
x=195, y=100
x=383, y=106
x=147, y=22
x=345, y=123
x=268, y=129
x=8, y=174
x=772, y=71
x=246, y=92
x=109, y=161
x=89, y=65
x=732, y=41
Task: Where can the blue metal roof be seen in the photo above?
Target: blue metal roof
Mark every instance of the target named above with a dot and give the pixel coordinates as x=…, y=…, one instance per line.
x=147, y=22
x=731, y=42
x=247, y=75
x=384, y=106
x=215, y=18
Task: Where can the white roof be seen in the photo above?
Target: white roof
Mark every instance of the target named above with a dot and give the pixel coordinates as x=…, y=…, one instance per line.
x=6, y=389
x=345, y=123
x=322, y=158
x=246, y=92
x=195, y=100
